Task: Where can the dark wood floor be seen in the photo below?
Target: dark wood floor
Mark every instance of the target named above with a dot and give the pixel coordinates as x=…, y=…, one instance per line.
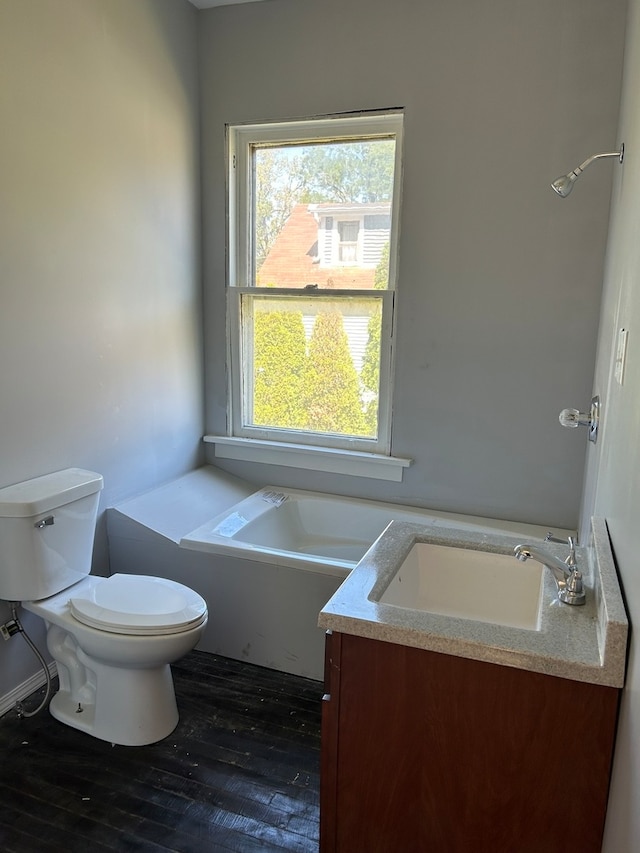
x=240, y=772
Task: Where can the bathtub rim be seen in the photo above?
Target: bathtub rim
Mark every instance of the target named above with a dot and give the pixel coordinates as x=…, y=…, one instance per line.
x=221, y=534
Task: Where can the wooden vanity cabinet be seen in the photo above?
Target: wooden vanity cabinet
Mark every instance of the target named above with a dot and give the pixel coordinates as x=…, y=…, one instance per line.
x=429, y=753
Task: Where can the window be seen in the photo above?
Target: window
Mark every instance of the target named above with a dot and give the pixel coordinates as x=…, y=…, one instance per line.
x=348, y=251
x=313, y=209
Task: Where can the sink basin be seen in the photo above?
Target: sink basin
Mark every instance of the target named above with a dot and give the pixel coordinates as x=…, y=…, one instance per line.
x=468, y=584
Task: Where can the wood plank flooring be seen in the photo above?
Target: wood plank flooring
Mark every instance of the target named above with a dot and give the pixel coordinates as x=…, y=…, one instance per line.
x=240, y=772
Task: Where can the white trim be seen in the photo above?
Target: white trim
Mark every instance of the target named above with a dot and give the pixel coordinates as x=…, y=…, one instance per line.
x=240, y=253
x=332, y=460
x=22, y=691
x=210, y=4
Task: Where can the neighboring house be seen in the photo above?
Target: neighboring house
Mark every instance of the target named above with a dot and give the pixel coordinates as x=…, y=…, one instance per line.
x=331, y=245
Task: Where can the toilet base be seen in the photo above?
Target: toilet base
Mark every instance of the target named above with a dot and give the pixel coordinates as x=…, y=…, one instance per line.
x=115, y=687
x=132, y=707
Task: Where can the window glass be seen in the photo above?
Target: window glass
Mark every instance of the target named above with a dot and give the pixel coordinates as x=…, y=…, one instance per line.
x=316, y=364
x=310, y=204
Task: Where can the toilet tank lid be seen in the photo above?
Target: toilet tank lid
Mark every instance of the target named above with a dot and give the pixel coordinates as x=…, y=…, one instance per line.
x=33, y=497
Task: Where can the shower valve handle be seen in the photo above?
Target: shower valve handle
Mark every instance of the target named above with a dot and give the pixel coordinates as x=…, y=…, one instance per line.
x=572, y=418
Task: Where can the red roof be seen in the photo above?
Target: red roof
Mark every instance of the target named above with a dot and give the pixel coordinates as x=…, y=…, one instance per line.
x=290, y=263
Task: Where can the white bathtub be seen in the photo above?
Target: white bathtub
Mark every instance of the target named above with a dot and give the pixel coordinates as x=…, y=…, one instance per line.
x=314, y=532
x=266, y=566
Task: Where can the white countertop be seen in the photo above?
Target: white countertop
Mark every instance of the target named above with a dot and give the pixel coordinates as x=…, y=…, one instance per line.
x=586, y=643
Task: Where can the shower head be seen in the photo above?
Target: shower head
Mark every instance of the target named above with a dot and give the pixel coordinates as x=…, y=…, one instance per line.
x=564, y=184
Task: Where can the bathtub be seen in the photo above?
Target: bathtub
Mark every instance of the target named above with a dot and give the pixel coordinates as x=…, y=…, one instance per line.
x=315, y=532
x=265, y=561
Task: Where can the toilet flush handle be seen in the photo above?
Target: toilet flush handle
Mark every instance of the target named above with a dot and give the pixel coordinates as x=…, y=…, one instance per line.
x=44, y=522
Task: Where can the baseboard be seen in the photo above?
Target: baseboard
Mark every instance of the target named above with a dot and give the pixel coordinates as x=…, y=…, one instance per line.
x=25, y=689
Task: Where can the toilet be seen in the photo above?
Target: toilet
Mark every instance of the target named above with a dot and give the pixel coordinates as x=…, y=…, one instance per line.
x=113, y=639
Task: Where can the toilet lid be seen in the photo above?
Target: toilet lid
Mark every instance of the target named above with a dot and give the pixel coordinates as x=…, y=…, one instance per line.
x=137, y=604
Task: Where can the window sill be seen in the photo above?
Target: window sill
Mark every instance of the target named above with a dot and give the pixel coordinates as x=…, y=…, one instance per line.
x=334, y=461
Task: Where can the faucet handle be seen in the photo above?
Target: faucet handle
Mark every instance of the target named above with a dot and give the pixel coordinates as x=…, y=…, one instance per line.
x=573, y=593
x=570, y=541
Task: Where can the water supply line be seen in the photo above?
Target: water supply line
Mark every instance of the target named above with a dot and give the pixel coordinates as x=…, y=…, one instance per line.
x=18, y=706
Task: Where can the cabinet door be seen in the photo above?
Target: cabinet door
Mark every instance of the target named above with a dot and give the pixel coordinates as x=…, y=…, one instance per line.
x=444, y=754
x=382, y=722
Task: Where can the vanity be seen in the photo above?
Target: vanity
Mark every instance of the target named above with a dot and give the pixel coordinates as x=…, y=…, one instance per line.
x=447, y=729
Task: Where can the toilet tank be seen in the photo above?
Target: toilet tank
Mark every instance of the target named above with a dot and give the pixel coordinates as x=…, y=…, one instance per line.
x=47, y=527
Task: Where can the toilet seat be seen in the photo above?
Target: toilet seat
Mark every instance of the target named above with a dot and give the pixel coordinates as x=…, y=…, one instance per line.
x=139, y=605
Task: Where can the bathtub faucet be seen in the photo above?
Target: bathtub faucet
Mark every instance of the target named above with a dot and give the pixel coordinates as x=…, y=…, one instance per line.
x=567, y=576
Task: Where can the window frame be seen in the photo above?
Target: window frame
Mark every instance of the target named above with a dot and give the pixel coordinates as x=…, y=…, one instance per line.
x=241, y=273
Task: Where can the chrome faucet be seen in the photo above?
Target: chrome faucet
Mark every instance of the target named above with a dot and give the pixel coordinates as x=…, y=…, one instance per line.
x=567, y=576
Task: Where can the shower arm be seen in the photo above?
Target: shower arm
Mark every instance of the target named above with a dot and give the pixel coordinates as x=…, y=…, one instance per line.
x=589, y=160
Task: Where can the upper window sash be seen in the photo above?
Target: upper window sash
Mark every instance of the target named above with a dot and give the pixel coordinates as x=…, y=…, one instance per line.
x=240, y=142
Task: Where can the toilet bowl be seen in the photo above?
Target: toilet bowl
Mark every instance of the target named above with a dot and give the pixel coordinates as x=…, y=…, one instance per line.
x=113, y=639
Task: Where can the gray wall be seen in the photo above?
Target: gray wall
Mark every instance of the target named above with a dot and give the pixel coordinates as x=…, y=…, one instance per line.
x=500, y=280
x=100, y=304
x=613, y=481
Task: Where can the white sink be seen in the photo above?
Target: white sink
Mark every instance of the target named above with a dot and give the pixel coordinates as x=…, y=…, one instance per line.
x=468, y=584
